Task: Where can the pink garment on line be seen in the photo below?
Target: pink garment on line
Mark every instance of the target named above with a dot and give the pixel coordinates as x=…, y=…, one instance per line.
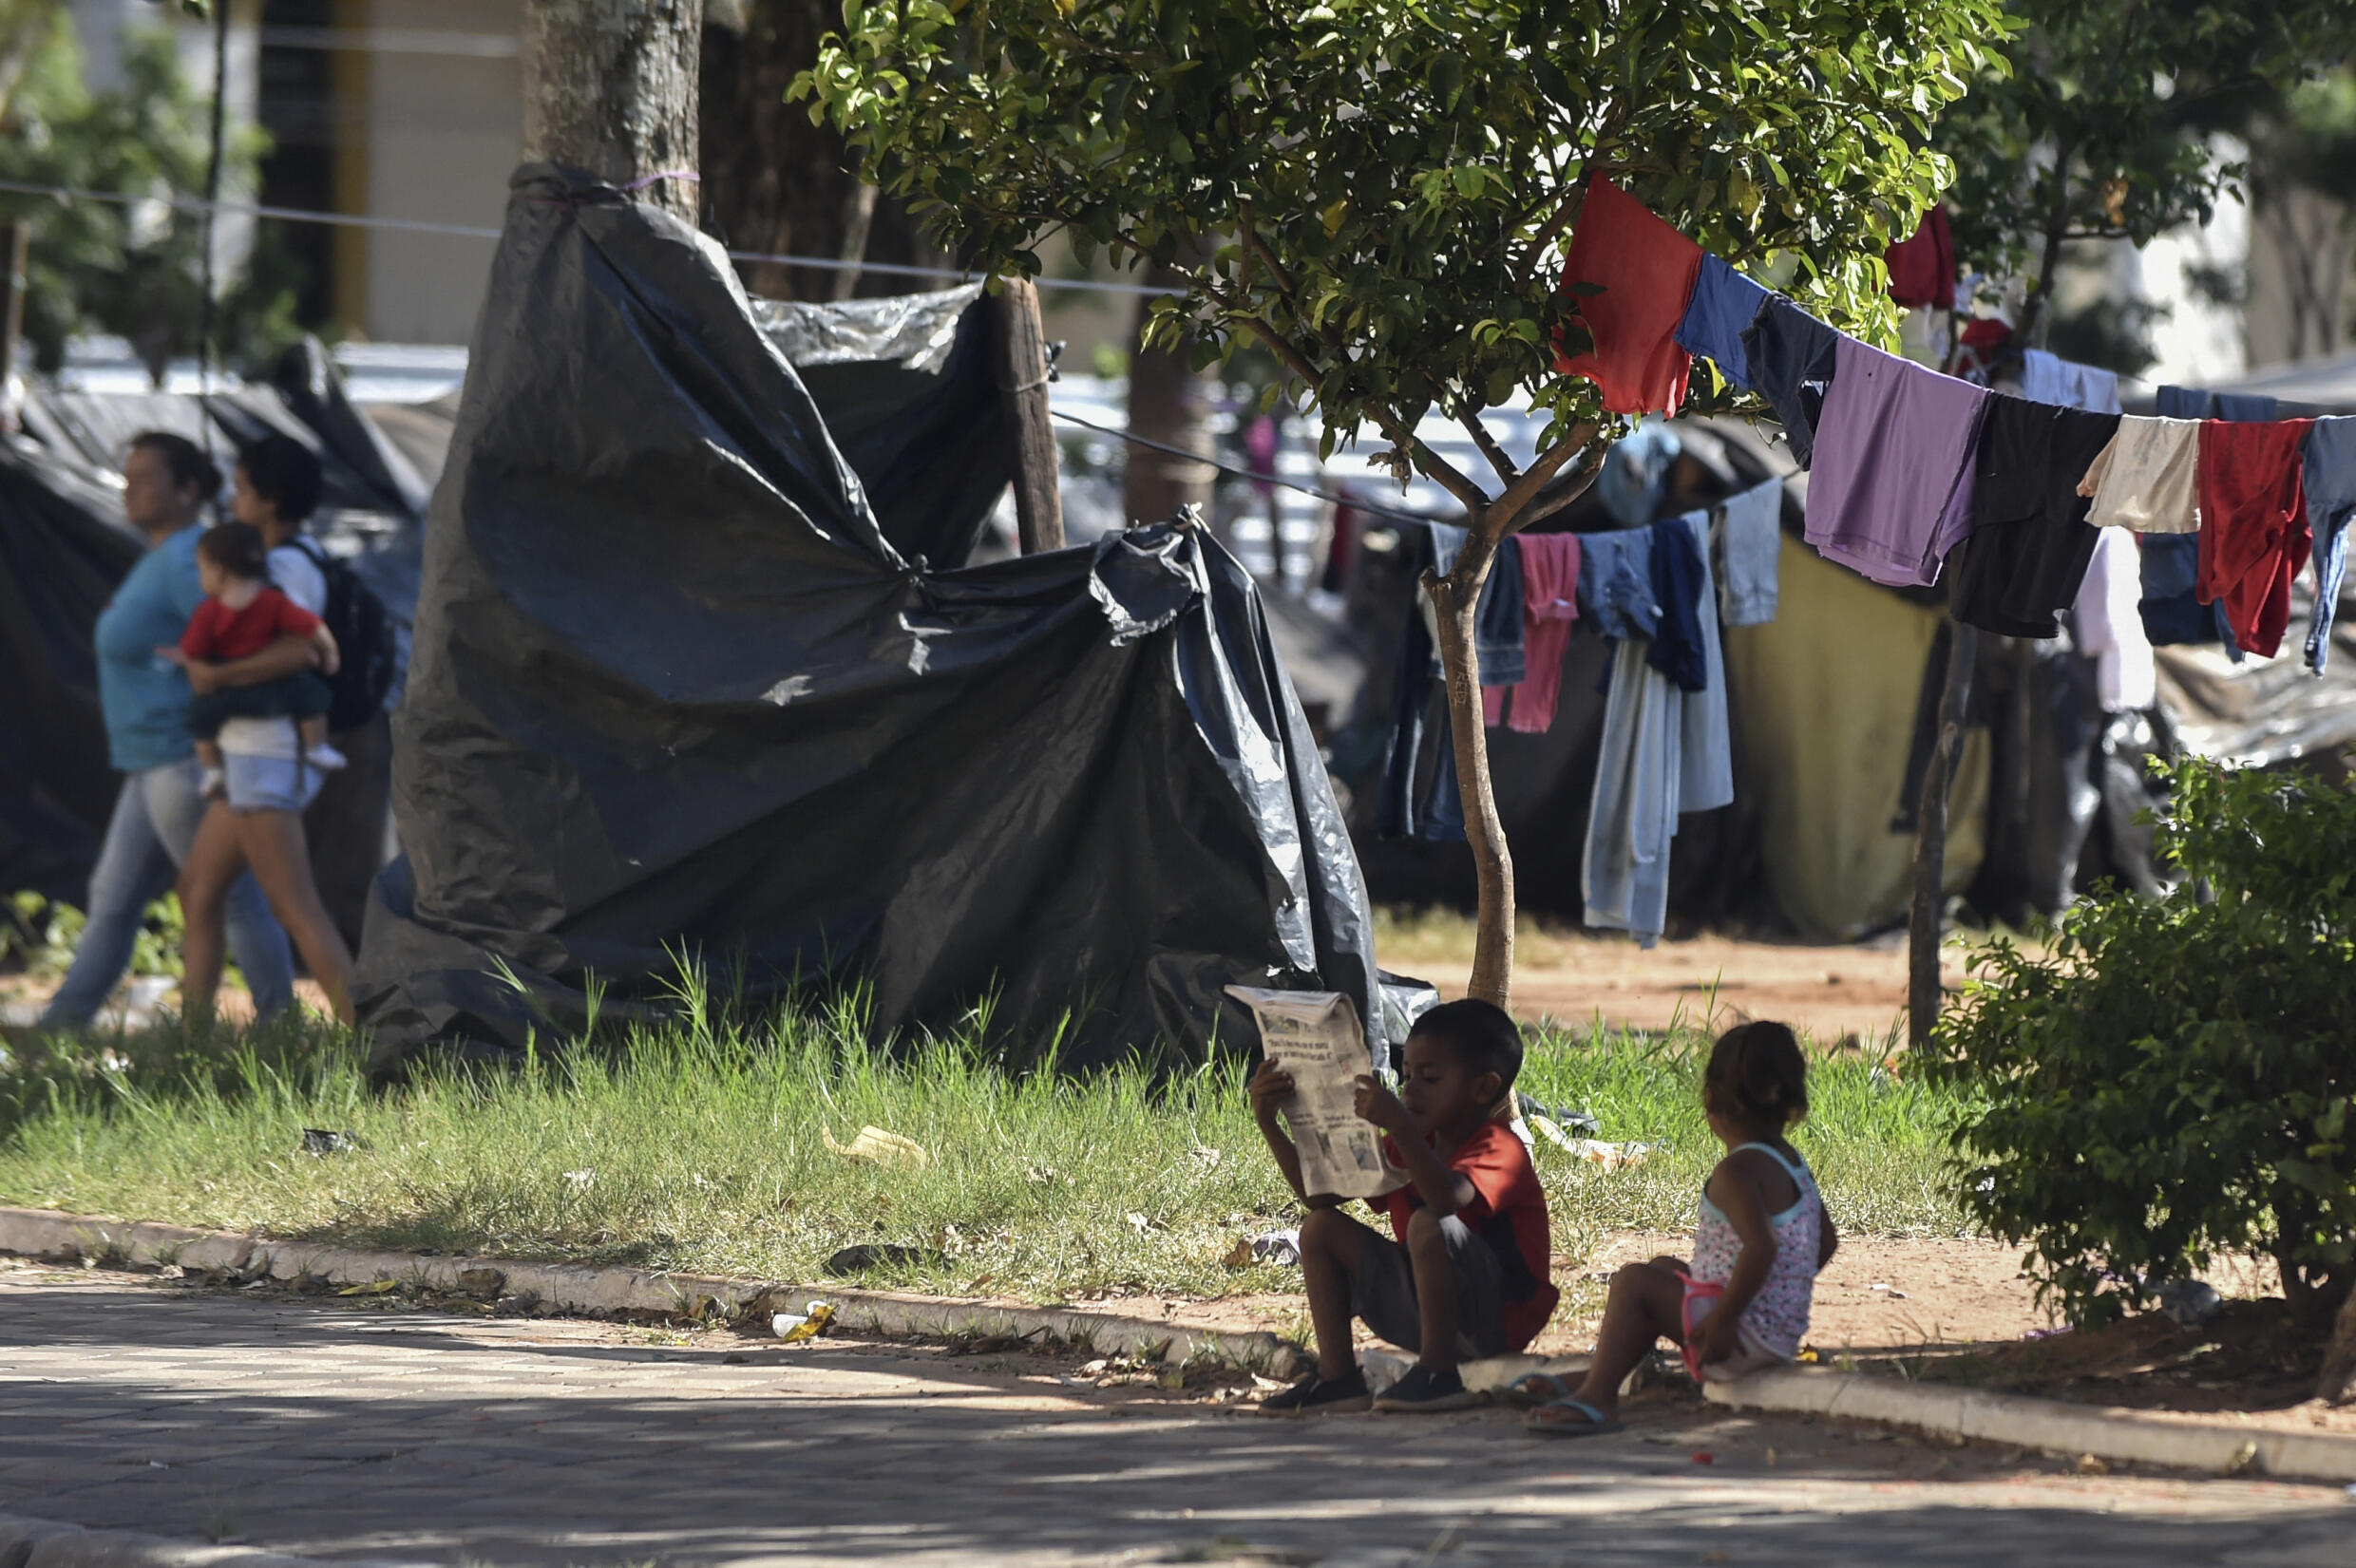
x=1549, y=604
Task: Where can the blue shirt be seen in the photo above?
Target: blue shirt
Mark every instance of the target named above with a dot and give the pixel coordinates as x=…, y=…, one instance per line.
x=1723, y=306
x=145, y=698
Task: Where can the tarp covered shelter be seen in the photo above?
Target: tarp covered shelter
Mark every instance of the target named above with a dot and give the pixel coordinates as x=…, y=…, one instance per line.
x=679, y=687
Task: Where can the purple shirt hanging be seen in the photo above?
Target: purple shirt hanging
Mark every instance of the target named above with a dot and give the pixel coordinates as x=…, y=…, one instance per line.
x=1889, y=492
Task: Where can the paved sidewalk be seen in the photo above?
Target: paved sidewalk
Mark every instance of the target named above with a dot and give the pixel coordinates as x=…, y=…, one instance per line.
x=315, y=1427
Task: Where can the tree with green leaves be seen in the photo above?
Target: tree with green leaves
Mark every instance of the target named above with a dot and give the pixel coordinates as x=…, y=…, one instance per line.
x=132, y=267
x=1378, y=192
x=2096, y=125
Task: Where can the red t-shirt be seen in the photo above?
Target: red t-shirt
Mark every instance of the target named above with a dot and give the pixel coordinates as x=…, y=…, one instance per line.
x=1507, y=1211
x=1647, y=271
x=2253, y=528
x=219, y=634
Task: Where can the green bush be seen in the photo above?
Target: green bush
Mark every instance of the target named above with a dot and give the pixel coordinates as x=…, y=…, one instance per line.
x=2170, y=1080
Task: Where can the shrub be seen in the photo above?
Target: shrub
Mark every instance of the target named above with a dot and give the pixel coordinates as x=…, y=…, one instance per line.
x=2170, y=1080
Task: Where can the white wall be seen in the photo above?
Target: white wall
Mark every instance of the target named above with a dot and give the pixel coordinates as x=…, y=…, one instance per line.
x=444, y=118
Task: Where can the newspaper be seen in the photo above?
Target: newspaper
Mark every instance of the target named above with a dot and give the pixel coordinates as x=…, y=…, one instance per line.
x=1315, y=1036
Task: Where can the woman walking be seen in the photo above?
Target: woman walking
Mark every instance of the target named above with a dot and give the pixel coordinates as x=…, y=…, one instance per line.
x=145, y=698
x=269, y=779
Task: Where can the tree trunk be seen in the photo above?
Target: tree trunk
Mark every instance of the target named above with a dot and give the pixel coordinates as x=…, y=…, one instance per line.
x=609, y=87
x=1168, y=402
x=2338, y=1384
x=1921, y=991
x=775, y=184
x=1456, y=598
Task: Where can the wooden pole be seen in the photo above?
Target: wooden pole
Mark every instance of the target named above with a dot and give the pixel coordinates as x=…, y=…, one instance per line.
x=1921, y=991
x=1022, y=376
x=14, y=238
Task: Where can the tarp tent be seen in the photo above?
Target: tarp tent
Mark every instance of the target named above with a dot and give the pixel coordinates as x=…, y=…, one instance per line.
x=675, y=689
x=63, y=548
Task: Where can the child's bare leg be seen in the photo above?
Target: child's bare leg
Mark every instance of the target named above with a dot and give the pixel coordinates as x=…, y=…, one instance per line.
x=1435, y=1291
x=1331, y=1245
x=1646, y=1305
x=208, y=753
x=313, y=732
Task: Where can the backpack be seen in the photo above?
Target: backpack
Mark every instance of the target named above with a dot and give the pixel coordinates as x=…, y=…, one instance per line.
x=363, y=633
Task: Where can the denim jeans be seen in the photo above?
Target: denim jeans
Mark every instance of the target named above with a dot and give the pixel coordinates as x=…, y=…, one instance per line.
x=154, y=824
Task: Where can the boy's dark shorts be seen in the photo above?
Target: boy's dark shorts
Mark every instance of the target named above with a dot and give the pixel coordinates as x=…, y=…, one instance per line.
x=1382, y=1292
x=304, y=694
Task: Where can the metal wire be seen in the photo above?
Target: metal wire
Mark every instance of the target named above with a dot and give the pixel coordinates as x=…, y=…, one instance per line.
x=465, y=230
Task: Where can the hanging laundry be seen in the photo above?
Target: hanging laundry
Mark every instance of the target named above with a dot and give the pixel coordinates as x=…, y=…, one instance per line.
x=1664, y=752
x=2198, y=403
x=2330, y=481
x=2172, y=610
x=1615, y=582
x=2029, y=541
x=1636, y=474
x=2253, y=534
x=1724, y=304
x=1747, y=543
x=1647, y=271
x=2148, y=478
x=1497, y=620
x=1419, y=720
x=2109, y=622
x=1792, y=356
x=2049, y=378
x=1891, y=491
x=1922, y=270
x=1679, y=562
x=1980, y=348
x=2092, y=388
x=1550, y=564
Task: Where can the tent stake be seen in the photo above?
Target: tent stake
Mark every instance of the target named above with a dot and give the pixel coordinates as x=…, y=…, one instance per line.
x=1921, y=991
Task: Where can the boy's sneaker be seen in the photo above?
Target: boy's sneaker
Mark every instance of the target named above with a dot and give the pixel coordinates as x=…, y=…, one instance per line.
x=325, y=758
x=1315, y=1395
x=211, y=783
x=1424, y=1389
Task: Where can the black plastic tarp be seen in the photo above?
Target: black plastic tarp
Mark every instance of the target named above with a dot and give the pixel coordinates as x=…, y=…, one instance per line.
x=674, y=691
x=907, y=392
x=63, y=548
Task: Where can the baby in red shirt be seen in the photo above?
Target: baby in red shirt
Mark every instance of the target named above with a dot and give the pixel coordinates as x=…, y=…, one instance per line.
x=242, y=614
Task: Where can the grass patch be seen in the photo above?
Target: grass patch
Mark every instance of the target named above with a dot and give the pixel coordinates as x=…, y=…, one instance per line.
x=706, y=1147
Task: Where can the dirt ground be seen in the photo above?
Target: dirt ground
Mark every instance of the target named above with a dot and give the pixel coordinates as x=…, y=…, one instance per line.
x=1830, y=991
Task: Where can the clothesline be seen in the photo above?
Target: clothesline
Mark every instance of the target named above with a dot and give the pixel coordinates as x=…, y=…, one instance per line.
x=1908, y=465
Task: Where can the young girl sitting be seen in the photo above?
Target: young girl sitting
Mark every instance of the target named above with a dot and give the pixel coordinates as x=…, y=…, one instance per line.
x=242, y=614
x=1742, y=1303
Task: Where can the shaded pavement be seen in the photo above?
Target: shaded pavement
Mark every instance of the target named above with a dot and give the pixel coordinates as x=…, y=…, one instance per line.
x=315, y=1427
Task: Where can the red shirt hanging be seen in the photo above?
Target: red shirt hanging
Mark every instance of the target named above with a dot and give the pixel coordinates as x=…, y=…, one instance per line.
x=2253, y=529
x=1922, y=270
x=1647, y=271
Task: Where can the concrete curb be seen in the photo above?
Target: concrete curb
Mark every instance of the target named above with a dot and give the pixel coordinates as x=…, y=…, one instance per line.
x=616, y=1288
x=44, y=1543
x=2049, y=1424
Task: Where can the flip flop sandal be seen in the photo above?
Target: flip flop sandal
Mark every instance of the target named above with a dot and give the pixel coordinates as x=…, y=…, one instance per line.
x=1570, y=1418
x=1531, y=1390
